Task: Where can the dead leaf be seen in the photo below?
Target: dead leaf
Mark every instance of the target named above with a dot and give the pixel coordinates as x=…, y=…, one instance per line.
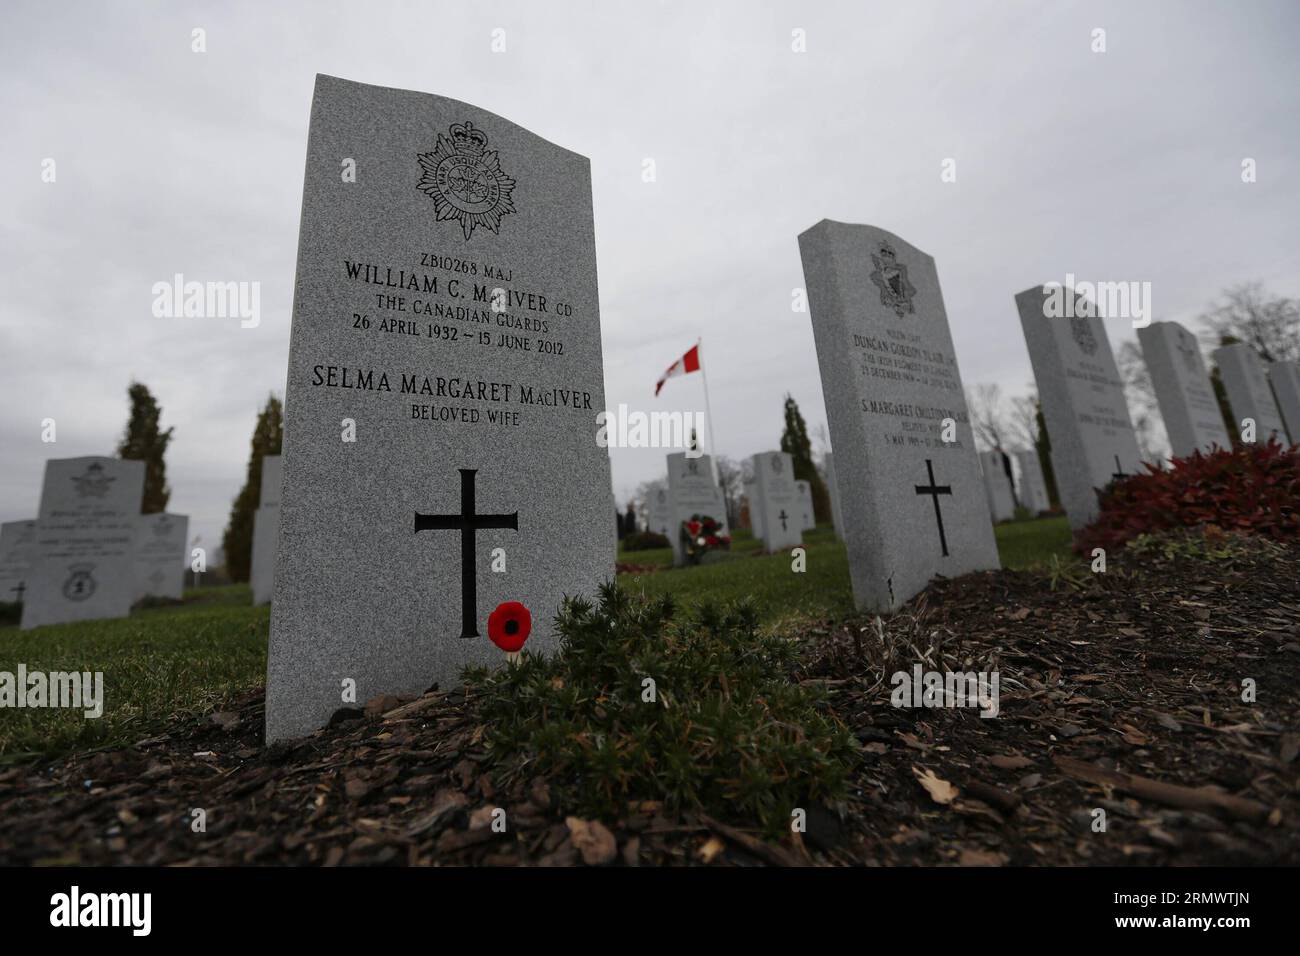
x=593, y=840
x=941, y=791
x=710, y=849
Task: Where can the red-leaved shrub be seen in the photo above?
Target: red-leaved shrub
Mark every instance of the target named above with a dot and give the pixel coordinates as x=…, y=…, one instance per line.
x=1253, y=488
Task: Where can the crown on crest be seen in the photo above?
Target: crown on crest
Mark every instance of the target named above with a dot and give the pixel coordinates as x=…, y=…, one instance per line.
x=467, y=139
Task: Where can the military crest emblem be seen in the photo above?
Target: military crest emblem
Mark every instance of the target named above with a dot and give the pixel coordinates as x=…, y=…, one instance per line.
x=1081, y=330
x=890, y=277
x=465, y=180
x=94, y=483
x=80, y=584
x=777, y=463
x=1187, y=348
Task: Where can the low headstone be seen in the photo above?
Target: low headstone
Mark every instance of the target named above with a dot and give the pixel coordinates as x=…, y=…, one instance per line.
x=1285, y=379
x=1183, y=389
x=916, y=506
x=1031, y=485
x=160, y=555
x=1082, y=397
x=778, y=500
x=266, y=531
x=82, y=568
x=807, y=514
x=997, y=486
x=660, y=517
x=17, y=550
x=1249, y=396
x=833, y=489
x=446, y=303
x=692, y=491
x=755, y=509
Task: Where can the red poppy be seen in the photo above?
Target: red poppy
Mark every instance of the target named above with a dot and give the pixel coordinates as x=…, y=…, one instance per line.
x=508, y=626
x=711, y=541
x=693, y=528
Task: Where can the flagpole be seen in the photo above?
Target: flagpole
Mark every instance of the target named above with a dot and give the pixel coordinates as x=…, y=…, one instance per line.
x=708, y=408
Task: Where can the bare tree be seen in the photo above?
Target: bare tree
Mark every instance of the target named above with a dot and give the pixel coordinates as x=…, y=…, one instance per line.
x=1249, y=313
x=645, y=493
x=1140, y=394
x=988, y=415
x=1022, y=420
x=731, y=479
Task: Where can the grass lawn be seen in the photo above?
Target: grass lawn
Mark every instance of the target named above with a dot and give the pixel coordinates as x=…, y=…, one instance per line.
x=183, y=659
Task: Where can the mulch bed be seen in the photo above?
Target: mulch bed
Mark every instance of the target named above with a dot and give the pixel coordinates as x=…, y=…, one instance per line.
x=1123, y=695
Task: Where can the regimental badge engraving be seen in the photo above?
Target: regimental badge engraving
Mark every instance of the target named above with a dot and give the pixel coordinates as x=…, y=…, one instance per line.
x=777, y=463
x=80, y=584
x=1190, y=353
x=890, y=277
x=1081, y=329
x=94, y=483
x=465, y=181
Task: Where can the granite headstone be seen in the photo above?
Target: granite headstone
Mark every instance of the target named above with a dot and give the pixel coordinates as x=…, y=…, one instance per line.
x=85, y=537
x=1183, y=389
x=1249, y=395
x=1285, y=379
x=446, y=302
x=160, y=555
x=266, y=530
x=1031, y=486
x=778, y=500
x=807, y=515
x=916, y=506
x=17, y=550
x=1082, y=397
x=692, y=491
x=997, y=486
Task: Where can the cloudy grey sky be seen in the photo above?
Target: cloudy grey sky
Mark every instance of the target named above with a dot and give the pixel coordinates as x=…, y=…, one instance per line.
x=1123, y=165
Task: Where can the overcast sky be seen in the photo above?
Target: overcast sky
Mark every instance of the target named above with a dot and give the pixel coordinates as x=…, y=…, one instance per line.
x=1122, y=165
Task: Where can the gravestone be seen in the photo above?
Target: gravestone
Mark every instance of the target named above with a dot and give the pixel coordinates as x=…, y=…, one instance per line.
x=755, y=509
x=778, y=499
x=997, y=486
x=1082, y=397
x=446, y=303
x=82, y=567
x=916, y=506
x=1031, y=485
x=807, y=515
x=1249, y=395
x=266, y=530
x=17, y=550
x=1285, y=379
x=660, y=513
x=833, y=488
x=1183, y=389
x=692, y=491
x=160, y=555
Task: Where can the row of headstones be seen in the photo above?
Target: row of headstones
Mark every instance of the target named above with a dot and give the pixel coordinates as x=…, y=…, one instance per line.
x=1267, y=394
x=780, y=507
x=89, y=553
x=915, y=504
x=473, y=484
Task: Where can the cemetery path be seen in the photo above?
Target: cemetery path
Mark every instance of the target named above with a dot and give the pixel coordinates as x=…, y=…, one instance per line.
x=1149, y=715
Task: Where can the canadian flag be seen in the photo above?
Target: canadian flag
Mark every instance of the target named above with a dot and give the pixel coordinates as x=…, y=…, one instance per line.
x=690, y=362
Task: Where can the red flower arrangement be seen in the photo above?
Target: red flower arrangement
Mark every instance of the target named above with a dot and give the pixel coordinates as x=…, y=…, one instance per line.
x=509, y=626
x=700, y=535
